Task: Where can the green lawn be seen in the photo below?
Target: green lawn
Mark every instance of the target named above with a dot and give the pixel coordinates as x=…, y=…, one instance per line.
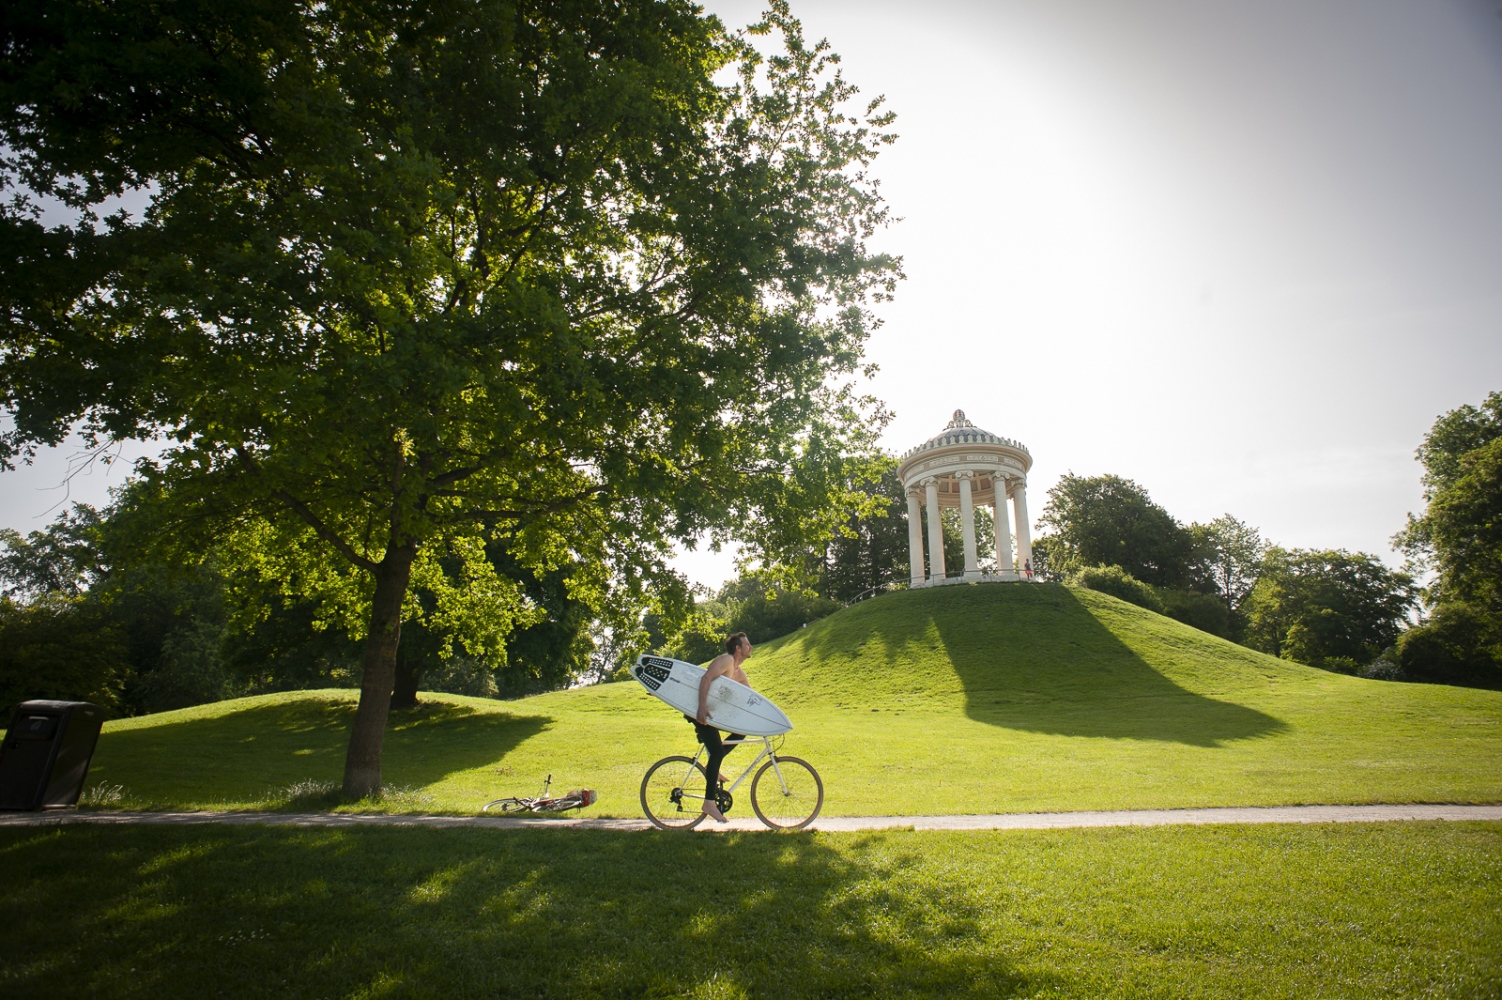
x=1360, y=911
x=988, y=698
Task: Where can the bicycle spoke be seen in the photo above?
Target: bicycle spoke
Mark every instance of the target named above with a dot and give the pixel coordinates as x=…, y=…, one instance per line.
x=672, y=793
x=787, y=793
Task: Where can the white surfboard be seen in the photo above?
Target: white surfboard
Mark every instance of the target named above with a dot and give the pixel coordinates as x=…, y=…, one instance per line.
x=733, y=707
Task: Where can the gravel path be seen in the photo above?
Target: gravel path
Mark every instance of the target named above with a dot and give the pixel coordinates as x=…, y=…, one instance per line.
x=1002, y=821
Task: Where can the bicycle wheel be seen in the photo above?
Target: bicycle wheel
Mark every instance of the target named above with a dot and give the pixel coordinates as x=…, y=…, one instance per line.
x=787, y=793
x=672, y=793
x=506, y=804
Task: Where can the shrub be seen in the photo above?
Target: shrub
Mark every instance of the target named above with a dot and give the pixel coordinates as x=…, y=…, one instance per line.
x=1459, y=644
x=189, y=671
x=1385, y=667
x=469, y=675
x=1205, y=612
x=1118, y=582
x=59, y=648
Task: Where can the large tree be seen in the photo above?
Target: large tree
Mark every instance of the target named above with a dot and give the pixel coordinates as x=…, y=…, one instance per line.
x=1464, y=522
x=1458, y=533
x=1229, y=553
x=572, y=277
x=1111, y=521
x=868, y=551
x=1459, y=537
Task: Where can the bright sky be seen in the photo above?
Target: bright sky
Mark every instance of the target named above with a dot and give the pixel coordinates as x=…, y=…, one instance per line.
x=1242, y=252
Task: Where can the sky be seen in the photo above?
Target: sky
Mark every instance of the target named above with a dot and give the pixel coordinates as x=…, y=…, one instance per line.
x=1242, y=252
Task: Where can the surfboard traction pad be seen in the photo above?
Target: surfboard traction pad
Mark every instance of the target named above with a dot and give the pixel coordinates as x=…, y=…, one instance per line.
x=653, y=672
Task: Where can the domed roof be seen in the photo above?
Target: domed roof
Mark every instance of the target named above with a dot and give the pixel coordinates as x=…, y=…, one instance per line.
x=960, y=430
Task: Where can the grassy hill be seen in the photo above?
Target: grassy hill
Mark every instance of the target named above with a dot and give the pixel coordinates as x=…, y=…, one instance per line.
x=986, y=698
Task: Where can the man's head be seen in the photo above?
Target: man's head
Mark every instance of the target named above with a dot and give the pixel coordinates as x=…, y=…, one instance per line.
x=736, y=641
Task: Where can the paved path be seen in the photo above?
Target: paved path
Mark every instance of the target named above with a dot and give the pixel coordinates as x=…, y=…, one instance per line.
x=1002, y=821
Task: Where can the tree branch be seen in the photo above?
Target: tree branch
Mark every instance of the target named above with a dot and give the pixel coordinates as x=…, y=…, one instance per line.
x=302, y=510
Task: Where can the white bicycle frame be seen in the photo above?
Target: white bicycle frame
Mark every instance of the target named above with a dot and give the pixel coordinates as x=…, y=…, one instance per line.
x=766, y=751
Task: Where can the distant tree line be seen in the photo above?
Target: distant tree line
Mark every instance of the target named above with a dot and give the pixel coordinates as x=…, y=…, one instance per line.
x=83, y=615
x=1331, y=608
x=1328, y=608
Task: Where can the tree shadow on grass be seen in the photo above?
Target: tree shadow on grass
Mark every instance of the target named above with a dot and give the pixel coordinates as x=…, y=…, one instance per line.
x=1035, y=658
x=246, y=755
x=457, y=913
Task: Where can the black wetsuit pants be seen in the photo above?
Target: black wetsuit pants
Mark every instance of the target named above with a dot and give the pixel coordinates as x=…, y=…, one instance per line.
x=710, y=737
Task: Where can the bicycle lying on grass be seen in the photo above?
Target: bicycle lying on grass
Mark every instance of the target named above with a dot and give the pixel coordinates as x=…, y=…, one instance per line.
x=576, y=799
x=786, y=793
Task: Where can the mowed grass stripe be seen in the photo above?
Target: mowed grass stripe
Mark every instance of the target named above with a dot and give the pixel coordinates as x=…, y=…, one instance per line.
x=975, y=699
x=1399, y=910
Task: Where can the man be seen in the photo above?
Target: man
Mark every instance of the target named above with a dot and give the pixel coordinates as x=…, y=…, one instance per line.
x=727, y=664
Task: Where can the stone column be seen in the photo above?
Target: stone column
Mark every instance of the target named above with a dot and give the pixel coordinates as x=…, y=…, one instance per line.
x=935, y=534
x=1024, y=533
x=1003, y=529
x=967, y=525
x=915, y=539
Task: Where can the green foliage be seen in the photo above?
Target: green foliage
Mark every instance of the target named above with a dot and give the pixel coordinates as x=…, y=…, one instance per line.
x=61, y=559
x=1464, y=521
x=283, y=649
x=1110, y=521
x=175, y=623
x=60, y=648
x=1053, y=560
x=752, y=604
x=1118, y=582
x=419, y=280
x=190, y=669
x=1333, y=608
x=870, y=549
x=1228, y=556
x=1459, y=644
x=952, y=524
x=156, y=631
x=1459, y=536
x=1206, y=612
x=1454, y=436
x=188, y=635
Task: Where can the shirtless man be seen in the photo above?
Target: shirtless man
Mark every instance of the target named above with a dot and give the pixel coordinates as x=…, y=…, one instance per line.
x=727, y=664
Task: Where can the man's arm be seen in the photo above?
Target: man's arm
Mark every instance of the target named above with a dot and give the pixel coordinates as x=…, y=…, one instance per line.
x=718, y=666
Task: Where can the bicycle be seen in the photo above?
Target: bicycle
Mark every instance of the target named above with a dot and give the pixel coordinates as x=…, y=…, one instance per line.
x=575, y=799
x=787, y=793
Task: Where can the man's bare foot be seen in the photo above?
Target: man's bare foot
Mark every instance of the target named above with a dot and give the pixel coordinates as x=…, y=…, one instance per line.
x=713, y=812
x=723, y=779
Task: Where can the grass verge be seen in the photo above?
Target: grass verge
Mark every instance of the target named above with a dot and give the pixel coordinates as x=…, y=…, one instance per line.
x=1385, y=910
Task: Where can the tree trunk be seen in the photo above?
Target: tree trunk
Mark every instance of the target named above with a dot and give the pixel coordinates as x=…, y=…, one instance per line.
x=362, y=766
x=404, y=693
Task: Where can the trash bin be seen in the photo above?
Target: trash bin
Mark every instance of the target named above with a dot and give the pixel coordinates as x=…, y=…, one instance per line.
x=46, y=753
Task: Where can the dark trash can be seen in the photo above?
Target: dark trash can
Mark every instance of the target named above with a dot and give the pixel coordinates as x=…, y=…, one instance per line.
x=46, y=753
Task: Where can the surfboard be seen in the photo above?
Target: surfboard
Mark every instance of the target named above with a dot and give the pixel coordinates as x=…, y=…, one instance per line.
x=733, y=707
